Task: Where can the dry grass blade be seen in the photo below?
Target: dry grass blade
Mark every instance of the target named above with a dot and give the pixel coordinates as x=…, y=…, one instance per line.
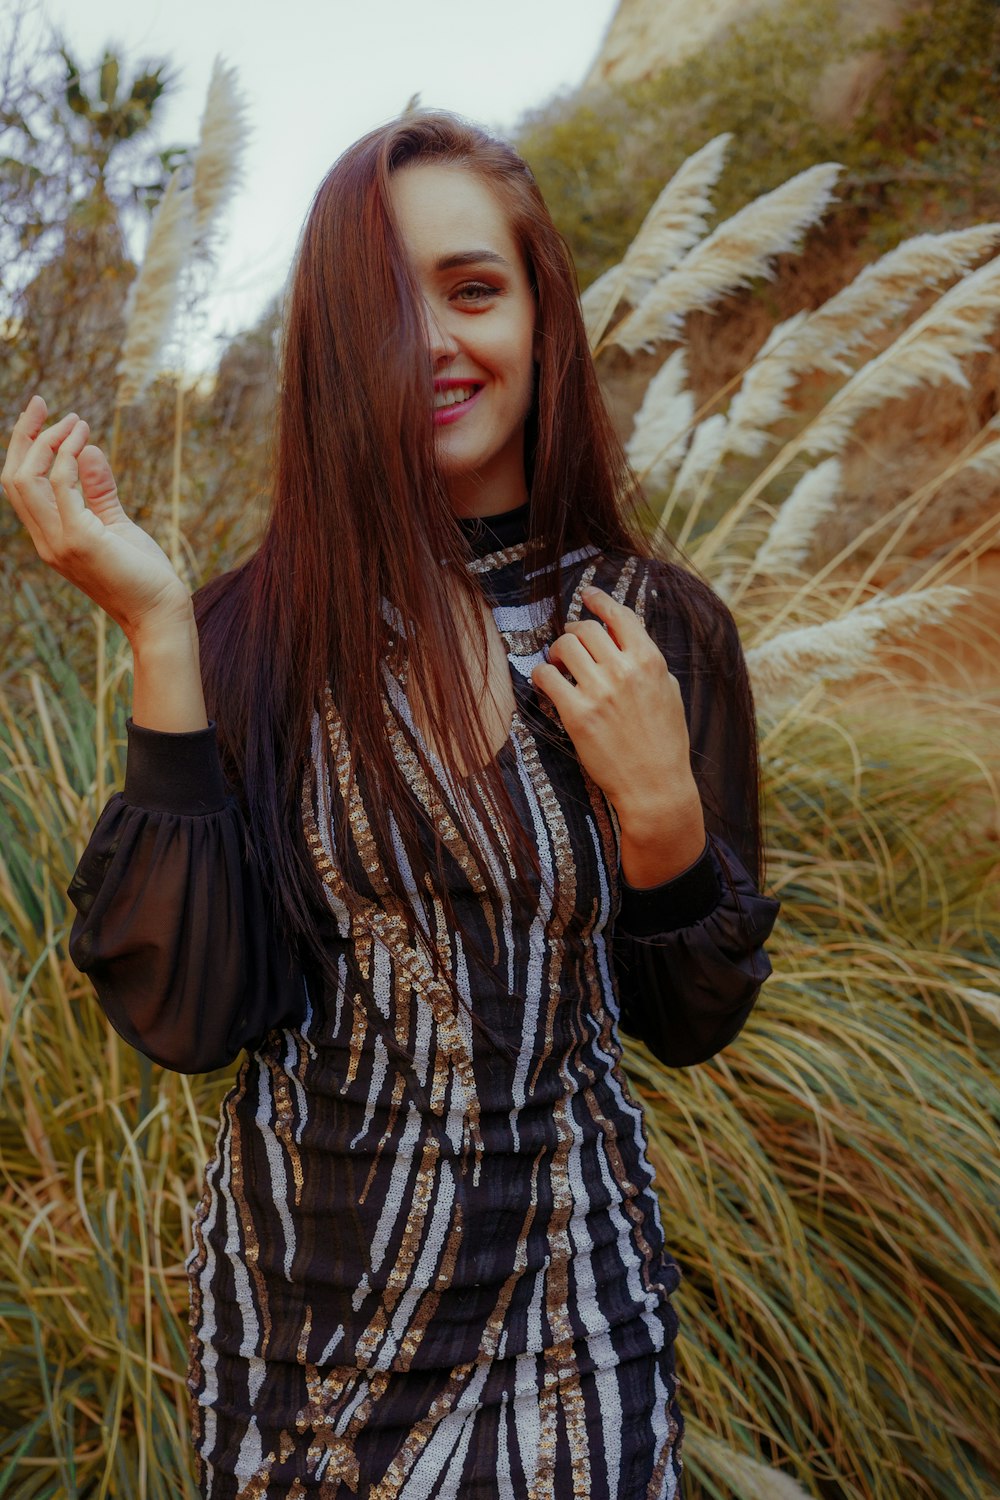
x=217, y=161
x=785, y=665
x=154, y=294
x=736, y=253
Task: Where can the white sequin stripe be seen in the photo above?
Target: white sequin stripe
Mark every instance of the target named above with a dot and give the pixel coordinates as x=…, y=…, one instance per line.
x=324, y=828
x=432, y=1248
x=527, y=1419
x=448, y=1441
x=569, y=558
x=628, y=1108
x=505, y=1484
x=380, y=1068
x=589, y=1309
x=291, y=1065
x=266, y=1110
x=409, y=884
x=458, y=1100
x=536, y=946
x=251, y=1454
x=404, y=1162
x=208, y=1328
x=381, y=988
x=664, y=1435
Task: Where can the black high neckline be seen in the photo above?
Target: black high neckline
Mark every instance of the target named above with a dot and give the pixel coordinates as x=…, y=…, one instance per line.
x=487, y=534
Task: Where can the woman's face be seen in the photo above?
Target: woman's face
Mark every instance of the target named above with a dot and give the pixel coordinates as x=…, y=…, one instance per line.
x=480, y=328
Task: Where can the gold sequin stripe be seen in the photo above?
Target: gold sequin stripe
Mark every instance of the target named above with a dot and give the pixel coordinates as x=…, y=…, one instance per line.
x=398, y=1089
x=414, y=1444
x=256, y=1488
x=390, y=929
x=624, y=579
x=526, y=642
x=451, y=835
x=560, y=1362
x=664, y=1460
x=283, y=1121
x=417, y=1213
x=329, y=1395
x=503, y=559
x=350, y=791
x=387, y=924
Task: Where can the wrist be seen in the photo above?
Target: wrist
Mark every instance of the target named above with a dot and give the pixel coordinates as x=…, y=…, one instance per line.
x=659, y=843
x=164, y=631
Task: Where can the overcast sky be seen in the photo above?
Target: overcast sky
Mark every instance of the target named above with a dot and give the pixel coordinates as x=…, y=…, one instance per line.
x=318, y=75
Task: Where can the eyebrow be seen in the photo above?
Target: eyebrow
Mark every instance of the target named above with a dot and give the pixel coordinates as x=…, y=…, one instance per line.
x=470, y=258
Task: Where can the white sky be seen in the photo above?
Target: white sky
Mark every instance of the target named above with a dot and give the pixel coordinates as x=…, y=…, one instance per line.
x=319, y=73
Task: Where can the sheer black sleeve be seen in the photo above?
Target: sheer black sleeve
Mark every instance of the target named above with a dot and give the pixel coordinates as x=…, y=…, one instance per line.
x=173, y=927
x=689, y=954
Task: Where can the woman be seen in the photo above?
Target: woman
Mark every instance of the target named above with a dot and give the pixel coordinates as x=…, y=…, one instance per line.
x=479, y=782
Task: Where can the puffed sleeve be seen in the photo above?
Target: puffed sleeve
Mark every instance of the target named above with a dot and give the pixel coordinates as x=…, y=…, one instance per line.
x=173, y=927
x=689, y=954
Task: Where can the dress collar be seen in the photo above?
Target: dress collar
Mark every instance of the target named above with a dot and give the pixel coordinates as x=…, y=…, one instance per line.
x=486, y=534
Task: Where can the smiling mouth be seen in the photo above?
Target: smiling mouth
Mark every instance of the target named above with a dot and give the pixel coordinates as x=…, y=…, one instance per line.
x=456, y=396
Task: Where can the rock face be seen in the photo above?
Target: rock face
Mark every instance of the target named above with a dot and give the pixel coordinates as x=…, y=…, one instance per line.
x=647, y=36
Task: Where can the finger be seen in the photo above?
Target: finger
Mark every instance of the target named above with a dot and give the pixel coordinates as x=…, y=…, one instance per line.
x=43, y=450
x=555, y=686
x=597, y=639
x=577, y=659
x=65, y=477
x=624, y=624
x=96, y=479
x=25, y=430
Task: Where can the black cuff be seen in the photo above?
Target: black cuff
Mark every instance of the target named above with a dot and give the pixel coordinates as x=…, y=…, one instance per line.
x=679, y=902
x=174, y=773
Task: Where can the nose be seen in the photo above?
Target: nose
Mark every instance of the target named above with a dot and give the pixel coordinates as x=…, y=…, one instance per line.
x=441, y=342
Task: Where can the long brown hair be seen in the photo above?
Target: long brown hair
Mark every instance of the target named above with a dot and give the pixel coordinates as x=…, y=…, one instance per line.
x=360, y=516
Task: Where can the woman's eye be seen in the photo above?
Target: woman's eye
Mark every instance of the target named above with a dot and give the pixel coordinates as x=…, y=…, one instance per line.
x=476, y=291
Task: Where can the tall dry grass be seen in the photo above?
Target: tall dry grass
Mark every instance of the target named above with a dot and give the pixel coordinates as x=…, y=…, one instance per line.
x=829, y=1182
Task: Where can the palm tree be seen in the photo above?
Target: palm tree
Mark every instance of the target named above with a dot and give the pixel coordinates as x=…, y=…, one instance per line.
x=93, y=131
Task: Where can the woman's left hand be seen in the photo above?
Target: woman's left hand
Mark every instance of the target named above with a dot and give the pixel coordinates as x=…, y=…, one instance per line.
x=625, y=715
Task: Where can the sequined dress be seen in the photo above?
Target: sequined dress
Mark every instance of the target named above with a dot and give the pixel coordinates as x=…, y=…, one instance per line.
x=478, y=1306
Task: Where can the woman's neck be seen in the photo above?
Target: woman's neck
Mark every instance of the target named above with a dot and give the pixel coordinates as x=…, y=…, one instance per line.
x=497, y=532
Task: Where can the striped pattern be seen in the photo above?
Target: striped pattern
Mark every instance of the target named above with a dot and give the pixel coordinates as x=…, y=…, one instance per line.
x=475, y=1302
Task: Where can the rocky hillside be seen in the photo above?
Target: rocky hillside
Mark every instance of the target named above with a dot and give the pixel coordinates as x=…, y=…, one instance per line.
x=648, y=36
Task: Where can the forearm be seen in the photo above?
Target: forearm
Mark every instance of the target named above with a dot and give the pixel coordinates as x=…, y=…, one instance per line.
x=167, y=691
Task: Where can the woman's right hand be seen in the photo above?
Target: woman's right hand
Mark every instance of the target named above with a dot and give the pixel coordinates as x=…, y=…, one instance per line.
x=64, y=491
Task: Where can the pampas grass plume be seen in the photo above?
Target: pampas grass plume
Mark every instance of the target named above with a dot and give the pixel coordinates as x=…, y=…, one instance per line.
x=673, y=225
x=928, y=352
x=732, y=256
x=840, y=649
x=217, y=171
x=746, y=1476
x=787, y=543
x=657, y=440
x=153, y=296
